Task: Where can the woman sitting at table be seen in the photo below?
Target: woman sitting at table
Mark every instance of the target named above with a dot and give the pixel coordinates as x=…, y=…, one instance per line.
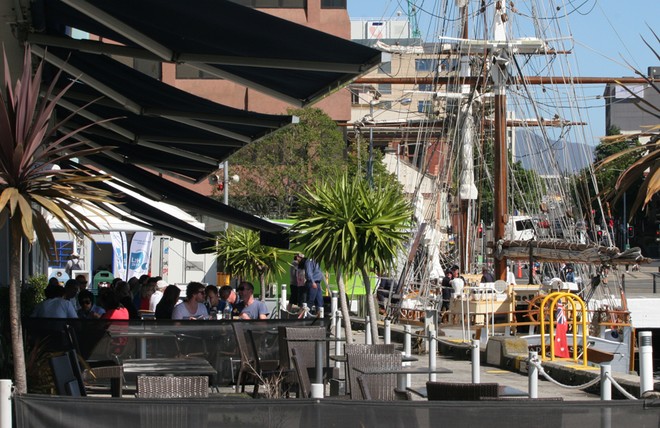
x=193, y=308
x=114, y=310
x=167, y=303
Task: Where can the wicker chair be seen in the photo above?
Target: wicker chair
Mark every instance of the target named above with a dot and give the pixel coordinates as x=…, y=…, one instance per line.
x=304, y=384
x=450, y=391
x=172, y=387
x=366, y=391
x=379, y=386
x=361, y=348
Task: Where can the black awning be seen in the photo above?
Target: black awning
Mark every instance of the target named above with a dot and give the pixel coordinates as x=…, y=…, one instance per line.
x=159, y=126
x=163, y=190
x=292, y=62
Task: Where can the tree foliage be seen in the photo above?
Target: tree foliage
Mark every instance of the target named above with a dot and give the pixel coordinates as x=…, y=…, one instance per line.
x=275, y=170
x=30, y=144
x=351, y=226
x=241, y=254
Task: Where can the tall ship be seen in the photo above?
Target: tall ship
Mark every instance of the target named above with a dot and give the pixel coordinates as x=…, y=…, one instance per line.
x=498, y=162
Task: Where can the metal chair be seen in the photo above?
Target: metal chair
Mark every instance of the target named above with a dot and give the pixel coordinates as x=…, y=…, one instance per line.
x=172, y=387
x=249, y=363
x=378, y=386
x=451, y=391
x=67, y=375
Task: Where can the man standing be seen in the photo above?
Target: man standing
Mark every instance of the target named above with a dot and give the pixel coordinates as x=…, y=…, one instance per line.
x=72, y=264
x=313, y=279
x=446, y=294
x=251, y=309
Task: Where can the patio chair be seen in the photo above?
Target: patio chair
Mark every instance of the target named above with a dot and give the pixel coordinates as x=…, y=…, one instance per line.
x=67, y=375
x=366, y=392
x=163, y=414
x=248, y=363
x=379, y=386
x=451, y=391
x=361, y=348
x=304, y=384
x=172, y=387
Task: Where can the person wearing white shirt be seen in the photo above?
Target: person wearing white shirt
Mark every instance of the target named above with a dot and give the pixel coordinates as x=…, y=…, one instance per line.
x=158, y=294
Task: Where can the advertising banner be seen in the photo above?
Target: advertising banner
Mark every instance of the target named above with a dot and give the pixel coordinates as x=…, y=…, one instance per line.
x=139, y=256
x=119, y=247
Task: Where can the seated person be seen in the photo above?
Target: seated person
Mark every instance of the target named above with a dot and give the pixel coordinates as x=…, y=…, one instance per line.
x=228, y=298
x=114, y=310
x=250, y=308
x=55, y=305
x=193, y=308
x=88, y=310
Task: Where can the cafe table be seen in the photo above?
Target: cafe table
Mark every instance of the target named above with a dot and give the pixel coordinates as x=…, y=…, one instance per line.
x=169, y=366
x=141, y=335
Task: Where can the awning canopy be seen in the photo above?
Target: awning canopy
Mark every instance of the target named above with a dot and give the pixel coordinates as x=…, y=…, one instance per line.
x=157, y=126
x=165, y=130
x=289, y=61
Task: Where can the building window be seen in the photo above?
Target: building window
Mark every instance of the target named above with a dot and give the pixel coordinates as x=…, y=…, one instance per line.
x=385, y=68
x=426, y=64
x=271, y=4
x=385, y=88
x=426, y=87
x=355, y=98
x=333, y=4
x=63, y=250
x=424, y=107
x=184, y=71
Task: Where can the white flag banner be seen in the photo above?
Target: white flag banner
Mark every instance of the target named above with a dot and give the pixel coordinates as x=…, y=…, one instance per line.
x=139, y=257
x=119, y=247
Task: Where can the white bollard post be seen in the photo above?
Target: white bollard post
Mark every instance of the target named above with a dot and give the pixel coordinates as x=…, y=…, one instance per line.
x=605, y=382
x=367, y=331
x=533, y=375
x=283, y=301
x=433, y=351
x=321, y=313
x=333, y=309
x=407, y=350
x=387, y=335
x=645, y=362
x=5, y=403
x=476, y=362
x=338, y=343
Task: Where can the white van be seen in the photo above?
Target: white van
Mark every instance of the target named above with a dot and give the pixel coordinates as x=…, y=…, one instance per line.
x=519, y=228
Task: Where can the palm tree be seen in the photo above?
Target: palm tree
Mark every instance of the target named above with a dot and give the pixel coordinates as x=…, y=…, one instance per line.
x=646, y=164
x=241, y=253
x=29, y=185
x=348, y=225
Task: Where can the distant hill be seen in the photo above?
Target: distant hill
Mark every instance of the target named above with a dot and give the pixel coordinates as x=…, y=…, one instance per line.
x=571, y=157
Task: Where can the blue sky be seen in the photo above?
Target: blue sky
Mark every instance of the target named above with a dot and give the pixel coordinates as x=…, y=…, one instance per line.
x=605, y=33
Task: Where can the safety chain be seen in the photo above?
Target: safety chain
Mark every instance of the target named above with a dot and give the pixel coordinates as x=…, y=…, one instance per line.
x=547, y=376
x=625, y=393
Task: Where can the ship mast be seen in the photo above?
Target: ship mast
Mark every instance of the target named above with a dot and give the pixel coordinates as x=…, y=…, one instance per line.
x=499, y=76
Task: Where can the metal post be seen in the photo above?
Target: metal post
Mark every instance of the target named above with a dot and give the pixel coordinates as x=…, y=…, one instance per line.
x=432, y=355
x=321, y=313
x=283, y=296
x=5, y=403
x=387, y=334
x=225, y=188
x=333, y=309
x=533, y=375
x=476, y=362
x=370, y=161
x=605, y=382
x=407, y=348
x=645, y=362
x=367, y=331
x=338, y=344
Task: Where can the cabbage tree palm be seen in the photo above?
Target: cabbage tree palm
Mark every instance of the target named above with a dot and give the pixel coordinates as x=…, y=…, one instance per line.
x=241, y=253
x=30, y=187
x=348, y=225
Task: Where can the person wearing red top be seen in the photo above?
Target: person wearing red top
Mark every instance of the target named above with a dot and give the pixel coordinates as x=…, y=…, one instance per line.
x=113, y=309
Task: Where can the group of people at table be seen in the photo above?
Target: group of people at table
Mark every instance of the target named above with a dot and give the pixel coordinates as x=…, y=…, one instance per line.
x=124, y=300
